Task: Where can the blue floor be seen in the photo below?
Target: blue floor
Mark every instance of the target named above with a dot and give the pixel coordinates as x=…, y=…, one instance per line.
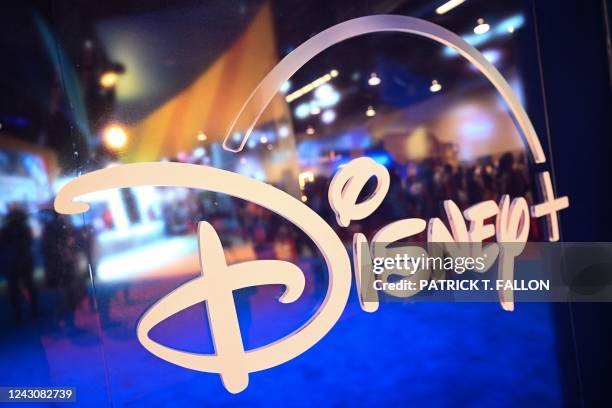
x=406, y=354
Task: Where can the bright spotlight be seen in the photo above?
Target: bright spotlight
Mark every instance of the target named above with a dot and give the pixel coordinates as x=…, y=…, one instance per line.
x=482, y=27
x=109, y=79
x=374, y=80
x=448, y=6
x=114, y=136
x=435, y=86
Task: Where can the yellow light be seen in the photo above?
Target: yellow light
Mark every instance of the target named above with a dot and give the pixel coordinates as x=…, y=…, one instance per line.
x=374, y=79
x=482, y=27
x=305, y=176
x=115, y=137
x=370, y=112
x=202, y=136
x=435, y=86
x=311, y=86
x=108, y=79
x=448, y=6
x=304, y=198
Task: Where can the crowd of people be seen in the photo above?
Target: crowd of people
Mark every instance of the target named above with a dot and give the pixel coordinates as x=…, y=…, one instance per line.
x=419, y=190
x=416, y=190
x=57, y=251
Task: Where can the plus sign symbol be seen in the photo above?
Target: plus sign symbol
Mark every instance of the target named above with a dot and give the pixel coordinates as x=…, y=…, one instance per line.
x=550, y=206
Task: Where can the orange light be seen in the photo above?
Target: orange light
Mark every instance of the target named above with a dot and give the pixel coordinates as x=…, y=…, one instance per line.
x=115, y=137
x=109, y=79
x=202, y=136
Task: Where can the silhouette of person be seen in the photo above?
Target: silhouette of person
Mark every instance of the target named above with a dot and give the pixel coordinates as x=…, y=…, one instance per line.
x=510, y=180
x=16, y=239
x=58, y=247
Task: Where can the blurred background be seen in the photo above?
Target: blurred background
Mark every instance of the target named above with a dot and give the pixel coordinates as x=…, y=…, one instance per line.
x=89, y=85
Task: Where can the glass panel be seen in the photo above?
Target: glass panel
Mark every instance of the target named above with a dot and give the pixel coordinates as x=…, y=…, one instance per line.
x=87, y=87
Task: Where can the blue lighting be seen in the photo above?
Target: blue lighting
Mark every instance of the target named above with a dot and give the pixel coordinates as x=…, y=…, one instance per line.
x=380, y=157
x=285, y=87
x=302, y=111
x=500, y=29
x=328, y=116
x=326, y=96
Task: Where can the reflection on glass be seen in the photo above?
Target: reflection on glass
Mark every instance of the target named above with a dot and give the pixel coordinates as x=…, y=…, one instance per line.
x=122, y=83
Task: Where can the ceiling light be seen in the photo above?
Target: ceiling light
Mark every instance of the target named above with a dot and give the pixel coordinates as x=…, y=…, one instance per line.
x=108, y=79
x=302, y=111
x=448, y=6
x=283, y=131
x=370, y=111
x=328, y=116
x=263, y=140
x=374, y=79
x=482, y=27
x=310, y=130
x=502, y=28
x=114, y=136
x=311, y=86
x=326, y=96
x=435, y=86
